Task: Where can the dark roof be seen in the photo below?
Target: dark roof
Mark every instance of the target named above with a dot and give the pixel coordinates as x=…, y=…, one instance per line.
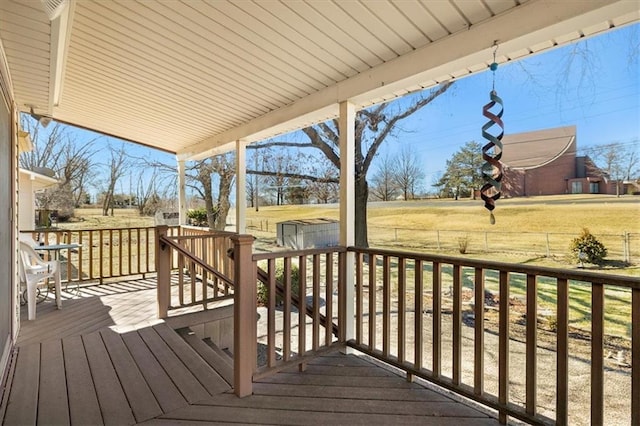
x=534, y=149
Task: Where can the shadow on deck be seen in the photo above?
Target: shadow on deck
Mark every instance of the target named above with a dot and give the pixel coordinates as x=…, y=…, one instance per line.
x=105, y=359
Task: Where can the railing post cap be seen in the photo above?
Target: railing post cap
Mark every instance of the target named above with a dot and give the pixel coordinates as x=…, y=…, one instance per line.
x=242, y=238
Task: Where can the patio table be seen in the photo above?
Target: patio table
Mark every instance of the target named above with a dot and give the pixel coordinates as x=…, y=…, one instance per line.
x=54, y=250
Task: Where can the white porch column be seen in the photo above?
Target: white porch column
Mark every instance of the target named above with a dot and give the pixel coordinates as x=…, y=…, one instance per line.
x=241, y=187
x=182, y=194
x=347, y=129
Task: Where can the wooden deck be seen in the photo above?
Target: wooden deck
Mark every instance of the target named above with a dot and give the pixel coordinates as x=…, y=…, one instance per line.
x=105, y=359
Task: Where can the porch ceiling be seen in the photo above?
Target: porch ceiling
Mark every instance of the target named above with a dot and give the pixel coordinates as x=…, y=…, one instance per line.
x=191, y=77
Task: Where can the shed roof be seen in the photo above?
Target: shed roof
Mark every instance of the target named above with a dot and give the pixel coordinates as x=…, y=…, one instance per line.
x=529, y=150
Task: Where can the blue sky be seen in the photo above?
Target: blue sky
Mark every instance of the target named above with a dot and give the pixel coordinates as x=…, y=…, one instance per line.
x=594, y=85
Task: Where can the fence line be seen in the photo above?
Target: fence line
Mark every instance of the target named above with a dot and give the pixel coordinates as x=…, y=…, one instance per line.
x=624, y=246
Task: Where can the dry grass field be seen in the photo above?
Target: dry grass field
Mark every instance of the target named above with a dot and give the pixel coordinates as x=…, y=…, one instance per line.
x=525, y=229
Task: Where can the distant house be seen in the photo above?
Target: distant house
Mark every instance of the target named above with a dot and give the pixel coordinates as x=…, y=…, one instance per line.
x=544, y=162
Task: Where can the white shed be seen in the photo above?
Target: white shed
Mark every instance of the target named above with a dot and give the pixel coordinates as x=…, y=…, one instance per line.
x=308, y=233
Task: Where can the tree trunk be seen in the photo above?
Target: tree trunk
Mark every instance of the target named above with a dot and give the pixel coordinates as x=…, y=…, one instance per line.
x=224, y=191
x=361, y=194
x=208, y=200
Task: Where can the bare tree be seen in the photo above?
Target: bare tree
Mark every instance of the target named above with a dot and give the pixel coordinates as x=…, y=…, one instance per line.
x=383, y=185
x=72, y=161
x=201, y=180
x=325, y=189
x=373, y=126
x=408, y=174
x=620, y=161
x=116, y=167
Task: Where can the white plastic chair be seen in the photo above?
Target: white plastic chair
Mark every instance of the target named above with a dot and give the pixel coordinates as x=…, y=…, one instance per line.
x=34, y=270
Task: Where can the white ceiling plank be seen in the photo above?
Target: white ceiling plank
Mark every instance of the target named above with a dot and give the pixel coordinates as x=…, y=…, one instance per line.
x=424, y=20
x=272, y=42
x=261, y=58
x=447, y=15
x=514, y=28
x=325, y=47
x=404, y=25
x=325, y=27
x=499, y=6
x=296, y=44
x=384, y=20
x=473, y=10
x=174, y=55
x=132, y=74
x=356, y=31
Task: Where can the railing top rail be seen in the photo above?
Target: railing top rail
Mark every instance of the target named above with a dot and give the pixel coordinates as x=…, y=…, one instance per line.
x=294, y=253
x=593, y=277
x=203, y=229
x=185, y=252
x=199, y=236
x=60, y=230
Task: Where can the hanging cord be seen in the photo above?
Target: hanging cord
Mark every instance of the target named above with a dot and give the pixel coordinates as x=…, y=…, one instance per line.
x=494, y=66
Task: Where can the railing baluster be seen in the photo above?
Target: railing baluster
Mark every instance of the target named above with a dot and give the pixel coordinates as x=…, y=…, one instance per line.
x=316, y=302
x=597, y=353
x=532, y=345
x=147, y=242
x=120, y=257
x=437, y=319
x=271, y=313
x=302, y=315
x=562, y=353
x=478, y=328
x=372, y=302
x=138, y=251
x=287, y=310
x=110, y=252
x=635, y=356
x=503, y=346
x=402, y=289
x=101, y=239
x=181, y=279
x=80, y=247
x=205, y=277
x=192, y=270
x=359, y=298
x=419, y=309
x=386, y=305
x=91, y=257
x=328, y=310
x=342, y=297
x=129, y=251
x=457, y=325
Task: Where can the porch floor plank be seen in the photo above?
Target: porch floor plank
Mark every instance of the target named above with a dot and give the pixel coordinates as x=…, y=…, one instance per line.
x=202, y=371
x=167, y=394
x=83, y=401
x=22, y=406
x=108, y=360
x=113, y=402
x=141, y=399
x=188, y=385
x=54, y=405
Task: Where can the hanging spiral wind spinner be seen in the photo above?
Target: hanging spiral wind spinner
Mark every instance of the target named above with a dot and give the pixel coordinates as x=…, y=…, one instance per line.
x=492, y=151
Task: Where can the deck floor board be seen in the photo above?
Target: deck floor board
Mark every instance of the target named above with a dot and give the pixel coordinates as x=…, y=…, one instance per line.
x=108, y=360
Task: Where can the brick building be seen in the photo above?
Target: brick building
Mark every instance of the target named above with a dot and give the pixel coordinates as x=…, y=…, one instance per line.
x=544, y=162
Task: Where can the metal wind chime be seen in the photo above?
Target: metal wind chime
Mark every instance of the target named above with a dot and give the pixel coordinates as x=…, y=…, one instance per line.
x=492, y=150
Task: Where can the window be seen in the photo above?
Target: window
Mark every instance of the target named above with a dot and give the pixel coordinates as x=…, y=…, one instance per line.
x=576, y=187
